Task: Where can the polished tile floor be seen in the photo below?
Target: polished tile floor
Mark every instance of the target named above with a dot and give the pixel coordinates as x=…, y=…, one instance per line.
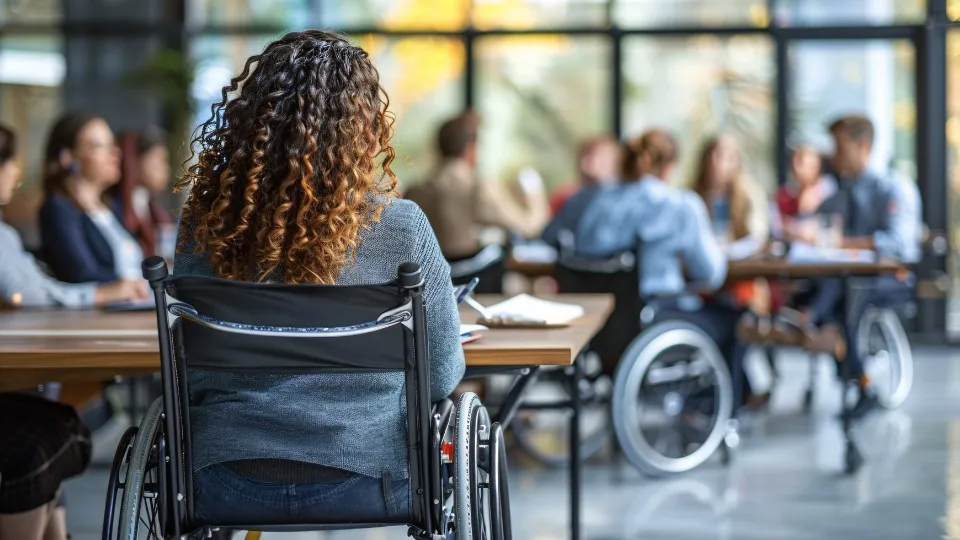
x=784, y=482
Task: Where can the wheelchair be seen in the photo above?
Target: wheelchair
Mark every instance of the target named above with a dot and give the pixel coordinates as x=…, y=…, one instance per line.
x=887, y=355
x=672, y=399
x=456, y=455
x=488, y=264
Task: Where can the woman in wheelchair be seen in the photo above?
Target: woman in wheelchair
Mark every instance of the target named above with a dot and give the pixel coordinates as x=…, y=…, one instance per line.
x=668, y=226
x=293, y=185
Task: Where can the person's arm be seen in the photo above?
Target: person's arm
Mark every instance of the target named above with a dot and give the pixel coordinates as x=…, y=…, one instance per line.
x=66, y=246
x=447, y=363
x=24, y=284
x=704, y=261
x=496, y=207
x=900, y=239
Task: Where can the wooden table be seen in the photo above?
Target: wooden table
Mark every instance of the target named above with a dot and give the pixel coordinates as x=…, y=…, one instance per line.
x=63, y=345
x=60, y=345
x=769, y=268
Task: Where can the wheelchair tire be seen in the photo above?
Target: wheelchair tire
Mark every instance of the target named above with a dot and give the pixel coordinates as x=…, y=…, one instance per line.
x=886, y=354
x=499, y=489
x=544, y=434
x=473, y=431
x=140, y=511
x=116, y=483
x=703, y=363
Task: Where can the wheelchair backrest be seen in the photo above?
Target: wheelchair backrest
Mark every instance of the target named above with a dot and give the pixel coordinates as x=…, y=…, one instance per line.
x=616, y=274
x=487, y=264
x=226, y=326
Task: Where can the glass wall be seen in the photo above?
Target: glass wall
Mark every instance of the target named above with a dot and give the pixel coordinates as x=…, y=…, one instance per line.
x=829, y=79
x=700, y=86
x=538, y=97
x=953, y=178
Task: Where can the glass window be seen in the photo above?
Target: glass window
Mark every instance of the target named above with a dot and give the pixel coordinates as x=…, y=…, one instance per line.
x=395, y=14
x=538, y=97
x=424, y=79
x=659, y=13
x=218, y=59
x=848, y=12
x=699, y=86
x=30, y=11
x=953, y=178
x=283, y=13
x=422, y=76
x=875, y=77
x=32, y=71
x=525, y=14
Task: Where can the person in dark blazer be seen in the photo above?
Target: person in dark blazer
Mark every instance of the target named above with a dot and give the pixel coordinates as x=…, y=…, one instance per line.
x=83, y=239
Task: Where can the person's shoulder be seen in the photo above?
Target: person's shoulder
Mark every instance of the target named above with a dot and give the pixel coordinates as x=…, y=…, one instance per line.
x=401, y=217
x=59, y=206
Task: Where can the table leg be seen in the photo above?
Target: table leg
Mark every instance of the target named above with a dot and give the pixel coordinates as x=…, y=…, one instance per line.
x=511, y=403
x=575, y=373
x=853, y=459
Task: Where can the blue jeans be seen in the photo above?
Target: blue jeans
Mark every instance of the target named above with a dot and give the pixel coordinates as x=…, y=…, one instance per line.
x=222, y=497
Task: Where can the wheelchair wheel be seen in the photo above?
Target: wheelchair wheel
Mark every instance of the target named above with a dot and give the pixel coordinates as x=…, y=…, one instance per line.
x=475, y=518
x=887, y=357
x=115, y=483
x=141, y=511
x=672, y=399
x=545, y=434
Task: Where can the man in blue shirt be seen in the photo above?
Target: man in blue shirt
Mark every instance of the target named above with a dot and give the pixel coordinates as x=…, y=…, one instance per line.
x=878, y=213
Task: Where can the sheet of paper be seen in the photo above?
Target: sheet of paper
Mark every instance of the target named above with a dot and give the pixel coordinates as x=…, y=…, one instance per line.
x=471, y=328
x=805, y=253
x=524, y=306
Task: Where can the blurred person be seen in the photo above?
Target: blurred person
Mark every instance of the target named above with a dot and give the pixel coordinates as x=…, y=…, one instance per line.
x=292, y=185
x=738, y=211
x=807, y=187
x=458, y=203
x=670, y=229
x=145, y=179
x=83, y=238
x=42, y=443
x=878, y=213
x=22, y=282
x=597, y=162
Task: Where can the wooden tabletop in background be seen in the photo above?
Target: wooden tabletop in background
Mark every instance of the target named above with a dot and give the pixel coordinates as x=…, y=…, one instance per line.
x=64, y=345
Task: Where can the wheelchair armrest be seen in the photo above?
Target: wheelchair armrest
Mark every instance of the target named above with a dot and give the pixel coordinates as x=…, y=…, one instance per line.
x=444, y=408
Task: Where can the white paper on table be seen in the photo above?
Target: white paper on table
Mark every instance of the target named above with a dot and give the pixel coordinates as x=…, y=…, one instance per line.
x=466, y=329
x=805, y=253
x=526, y=307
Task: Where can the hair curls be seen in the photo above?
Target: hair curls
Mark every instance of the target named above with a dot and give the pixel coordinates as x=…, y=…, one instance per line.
x=286, y=172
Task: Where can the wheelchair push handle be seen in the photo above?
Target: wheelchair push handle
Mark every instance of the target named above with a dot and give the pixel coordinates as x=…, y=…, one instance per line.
x=409, y=276
x=154, y=269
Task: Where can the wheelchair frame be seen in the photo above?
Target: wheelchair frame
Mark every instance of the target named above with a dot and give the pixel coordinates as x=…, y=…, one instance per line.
x=164, y=436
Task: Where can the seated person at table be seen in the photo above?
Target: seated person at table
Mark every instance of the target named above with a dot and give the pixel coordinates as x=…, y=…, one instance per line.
x=673, y=227
x=458, y=203
x=293, y=185
x=41, y=443
x=878, y=213
x=597, y=163
x=738, y=210
x=144, y=180
x=807, y=187
x=83, y=239
x=22, y=282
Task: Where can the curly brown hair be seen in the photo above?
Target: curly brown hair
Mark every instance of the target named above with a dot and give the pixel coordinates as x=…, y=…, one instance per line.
x=287, y=174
